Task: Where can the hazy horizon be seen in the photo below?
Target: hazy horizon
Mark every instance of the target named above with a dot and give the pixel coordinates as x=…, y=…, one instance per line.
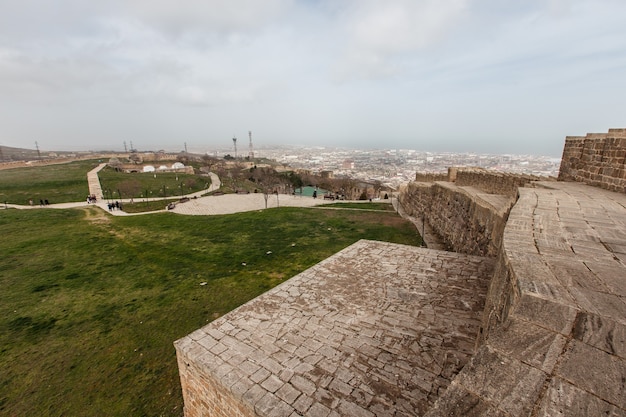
x=481, y=76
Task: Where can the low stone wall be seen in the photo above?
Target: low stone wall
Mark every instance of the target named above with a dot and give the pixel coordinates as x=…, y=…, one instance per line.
x=466, y=222
x=431, y=176
x=491, y=182
x=597, y=159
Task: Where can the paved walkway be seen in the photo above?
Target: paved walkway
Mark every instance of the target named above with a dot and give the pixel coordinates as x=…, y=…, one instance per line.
x=94, y=182
x=236, y=203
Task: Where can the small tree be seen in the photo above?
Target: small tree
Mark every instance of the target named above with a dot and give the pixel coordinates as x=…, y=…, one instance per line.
x=135, y=158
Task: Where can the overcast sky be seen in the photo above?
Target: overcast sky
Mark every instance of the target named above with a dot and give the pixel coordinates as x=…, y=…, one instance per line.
x=496, y=76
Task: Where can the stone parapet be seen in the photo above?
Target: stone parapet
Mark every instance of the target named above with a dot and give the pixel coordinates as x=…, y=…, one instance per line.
x=431, y=176
x=597, y=159
x=466, y=219
x=492, y=182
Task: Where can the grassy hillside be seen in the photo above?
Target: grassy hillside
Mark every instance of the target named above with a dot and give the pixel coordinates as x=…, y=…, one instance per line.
x=90, y=303
x=61, y=183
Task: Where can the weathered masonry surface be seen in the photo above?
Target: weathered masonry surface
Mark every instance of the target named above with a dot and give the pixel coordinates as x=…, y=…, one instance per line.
x=553, y=339
x=534, y=327
x=596, y=159
x=377, y=329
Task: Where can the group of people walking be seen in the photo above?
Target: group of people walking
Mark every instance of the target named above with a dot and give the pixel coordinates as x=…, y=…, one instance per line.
x=42, y=202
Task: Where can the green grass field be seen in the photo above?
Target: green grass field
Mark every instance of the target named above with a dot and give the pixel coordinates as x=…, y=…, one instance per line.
x=91, y=304
x=61, y=183
x=64, y=183
x=149, y=184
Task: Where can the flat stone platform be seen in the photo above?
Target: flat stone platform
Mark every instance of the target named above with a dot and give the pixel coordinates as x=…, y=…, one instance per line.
x=377, y=329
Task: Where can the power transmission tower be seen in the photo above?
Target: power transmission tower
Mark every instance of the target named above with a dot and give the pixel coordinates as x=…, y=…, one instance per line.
x=251, y=151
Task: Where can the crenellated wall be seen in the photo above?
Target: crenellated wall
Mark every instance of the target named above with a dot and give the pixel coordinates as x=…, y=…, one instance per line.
x=597, y=159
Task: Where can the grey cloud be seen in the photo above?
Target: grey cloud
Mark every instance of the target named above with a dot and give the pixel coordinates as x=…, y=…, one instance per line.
x=328, y=70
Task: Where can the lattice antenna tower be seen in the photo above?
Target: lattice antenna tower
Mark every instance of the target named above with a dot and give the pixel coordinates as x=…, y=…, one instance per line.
x=38, y=153
x=235, y=145
x=251, y=151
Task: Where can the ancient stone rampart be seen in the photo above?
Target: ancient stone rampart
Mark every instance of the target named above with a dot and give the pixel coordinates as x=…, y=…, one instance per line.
x=465, y=222
x=346, y=339
x=491, y=182
x=431, y=176
x=554, y=325
x=467, y=207
x=597, y=159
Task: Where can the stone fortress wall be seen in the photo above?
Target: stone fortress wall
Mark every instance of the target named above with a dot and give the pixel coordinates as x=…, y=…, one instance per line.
x=431, y=176
x=467, y=207
x=491, y=182
x=597, y=159
x=551, y=340
x=553, y=337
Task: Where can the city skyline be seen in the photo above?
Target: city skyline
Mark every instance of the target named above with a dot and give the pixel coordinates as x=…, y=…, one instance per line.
x=464, y=76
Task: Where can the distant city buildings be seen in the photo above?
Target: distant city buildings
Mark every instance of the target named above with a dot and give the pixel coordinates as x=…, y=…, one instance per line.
x=395, y=167
x=389, y=167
